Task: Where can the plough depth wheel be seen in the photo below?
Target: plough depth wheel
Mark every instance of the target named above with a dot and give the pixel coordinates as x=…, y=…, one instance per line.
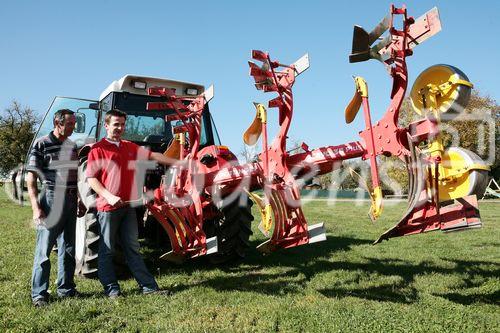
x=447, y=84
x=463, y=173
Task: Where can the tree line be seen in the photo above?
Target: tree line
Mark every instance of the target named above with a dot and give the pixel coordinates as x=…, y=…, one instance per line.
x=18, y=126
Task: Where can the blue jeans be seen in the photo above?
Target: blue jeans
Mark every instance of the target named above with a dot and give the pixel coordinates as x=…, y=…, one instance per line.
x=59, y=226
x=121, y=223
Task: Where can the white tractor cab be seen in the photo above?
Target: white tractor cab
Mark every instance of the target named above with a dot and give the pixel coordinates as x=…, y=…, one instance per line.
x=130, y=95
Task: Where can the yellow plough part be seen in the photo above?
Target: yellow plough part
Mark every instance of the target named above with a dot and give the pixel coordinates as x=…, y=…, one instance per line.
x=445, y=89
x=174, y=149
x=353, y=107
x=253, y=132
x=376, y=207
x=440, y=88
x=266, y=213
x=351, y=111
x=461, y=173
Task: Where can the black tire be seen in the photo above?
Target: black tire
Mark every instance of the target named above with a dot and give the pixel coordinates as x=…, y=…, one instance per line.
x=87, y=244
x=464, y=93
x=233, y=229
x=482, y=184
x=87, y=229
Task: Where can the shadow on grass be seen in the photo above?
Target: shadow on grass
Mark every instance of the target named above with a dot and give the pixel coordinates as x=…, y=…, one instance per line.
x=301, y=255
x=290, y=271
x=467, y=299
x=249, y=274
x=473, y=277
x=5, y=278
x=81, y=295
x=470, y=272
x=396, y=293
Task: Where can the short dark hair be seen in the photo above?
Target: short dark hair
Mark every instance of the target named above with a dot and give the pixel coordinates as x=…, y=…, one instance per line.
x=60, y=115
x=115, y=113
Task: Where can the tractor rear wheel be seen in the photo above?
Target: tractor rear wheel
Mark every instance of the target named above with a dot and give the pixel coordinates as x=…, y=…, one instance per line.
x=87, y=248
x=87, y=229
x=87, y=244
x=233, y=229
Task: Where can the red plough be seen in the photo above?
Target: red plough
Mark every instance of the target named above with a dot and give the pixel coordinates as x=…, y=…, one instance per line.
x=187, y=199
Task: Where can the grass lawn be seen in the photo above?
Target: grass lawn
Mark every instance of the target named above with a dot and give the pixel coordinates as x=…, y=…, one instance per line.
x=426, y=283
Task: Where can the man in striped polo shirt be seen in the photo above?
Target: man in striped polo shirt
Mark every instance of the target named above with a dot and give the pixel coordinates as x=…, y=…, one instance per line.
x=53, y=159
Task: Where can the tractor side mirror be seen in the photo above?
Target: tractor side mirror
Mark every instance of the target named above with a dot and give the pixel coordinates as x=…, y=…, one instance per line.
x=80, y=122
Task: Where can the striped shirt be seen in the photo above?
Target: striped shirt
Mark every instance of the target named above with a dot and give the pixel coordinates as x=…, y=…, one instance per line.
x=55, y=162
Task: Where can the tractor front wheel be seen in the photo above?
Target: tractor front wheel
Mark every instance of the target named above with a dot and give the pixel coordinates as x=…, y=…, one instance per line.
x=233, y=229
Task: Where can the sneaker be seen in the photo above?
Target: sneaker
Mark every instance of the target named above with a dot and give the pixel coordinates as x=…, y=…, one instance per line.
x=71, y=294
x=40, y=302
x=163, y=292
x=114, y=295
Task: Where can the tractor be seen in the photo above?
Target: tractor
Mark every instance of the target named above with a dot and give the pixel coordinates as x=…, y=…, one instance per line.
x=201, y=204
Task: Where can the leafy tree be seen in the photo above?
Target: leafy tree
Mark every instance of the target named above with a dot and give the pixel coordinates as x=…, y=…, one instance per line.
x=248, y=153
x=342, y=177
x=137, y=128
x=474, y=130
x=18, y=126
x=325, y=180
x=393, y=175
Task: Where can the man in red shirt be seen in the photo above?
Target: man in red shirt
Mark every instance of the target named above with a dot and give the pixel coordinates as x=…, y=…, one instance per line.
x=111, y=172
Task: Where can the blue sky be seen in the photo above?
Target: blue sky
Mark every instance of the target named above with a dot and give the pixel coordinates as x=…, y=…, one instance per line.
x=76, y=49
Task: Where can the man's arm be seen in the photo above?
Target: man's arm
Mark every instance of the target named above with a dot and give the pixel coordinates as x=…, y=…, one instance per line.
x=33, y=195
x=160, y=158
x=103, y=192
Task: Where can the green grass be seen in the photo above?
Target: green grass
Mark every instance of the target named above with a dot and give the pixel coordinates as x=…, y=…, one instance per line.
x=426, y=283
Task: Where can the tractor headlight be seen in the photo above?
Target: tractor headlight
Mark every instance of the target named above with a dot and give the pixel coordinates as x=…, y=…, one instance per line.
x=139, y=85
x=192, y=91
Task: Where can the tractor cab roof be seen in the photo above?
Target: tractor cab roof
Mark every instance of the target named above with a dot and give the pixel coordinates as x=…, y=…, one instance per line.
x=139, y=85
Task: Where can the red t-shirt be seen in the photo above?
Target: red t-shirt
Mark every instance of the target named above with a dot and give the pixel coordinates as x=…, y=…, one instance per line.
x=115, y=167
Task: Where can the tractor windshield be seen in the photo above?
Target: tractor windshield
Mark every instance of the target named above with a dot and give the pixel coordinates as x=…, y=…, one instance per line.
x=147, y=127
x=86, y=119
